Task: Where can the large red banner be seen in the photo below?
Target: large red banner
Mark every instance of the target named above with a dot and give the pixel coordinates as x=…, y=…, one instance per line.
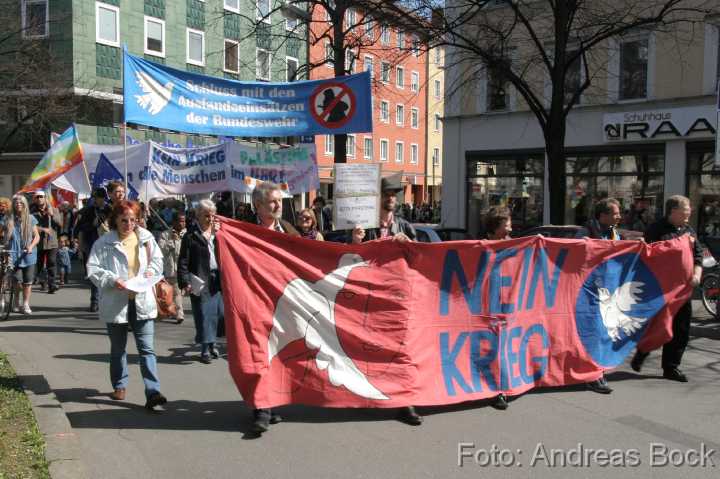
x=389, y=324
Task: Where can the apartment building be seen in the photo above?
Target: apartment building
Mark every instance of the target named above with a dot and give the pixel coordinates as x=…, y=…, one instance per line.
x=85, y=37
x=645, y=130
x=398, y=66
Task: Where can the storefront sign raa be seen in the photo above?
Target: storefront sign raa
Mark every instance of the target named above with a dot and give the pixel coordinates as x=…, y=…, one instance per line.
x=662, y=124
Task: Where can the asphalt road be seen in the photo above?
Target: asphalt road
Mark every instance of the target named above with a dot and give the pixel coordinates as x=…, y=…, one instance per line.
x=639, y=431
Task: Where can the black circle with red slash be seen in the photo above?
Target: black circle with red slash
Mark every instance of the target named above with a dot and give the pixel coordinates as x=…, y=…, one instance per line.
x=344, y=91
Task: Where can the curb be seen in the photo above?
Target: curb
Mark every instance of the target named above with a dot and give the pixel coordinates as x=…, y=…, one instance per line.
x=63, y=448
x=705, y=329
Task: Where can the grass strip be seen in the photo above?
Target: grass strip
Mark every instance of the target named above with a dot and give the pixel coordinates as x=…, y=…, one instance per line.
x=22, y=446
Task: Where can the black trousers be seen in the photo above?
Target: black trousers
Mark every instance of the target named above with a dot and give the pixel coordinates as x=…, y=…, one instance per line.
x=47, y=257
x=673, y=351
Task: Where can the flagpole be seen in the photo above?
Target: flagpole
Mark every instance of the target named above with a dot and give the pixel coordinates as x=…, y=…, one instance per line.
x=125, y=155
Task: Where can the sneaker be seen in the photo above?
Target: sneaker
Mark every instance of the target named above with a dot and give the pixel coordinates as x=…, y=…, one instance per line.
x=214, y=352
x=118, y=394
x=674, y=374
x=26, y=309
x=408, y=415
x=52, y=289
x=179, y=320
x=156, y=399
x=205, y=359
x=262, y=420
x=500, y=402
x=16, y=309
x=638, y=360
x=599, y=386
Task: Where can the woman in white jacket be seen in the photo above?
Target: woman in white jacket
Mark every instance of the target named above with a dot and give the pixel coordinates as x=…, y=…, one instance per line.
x=126, y=251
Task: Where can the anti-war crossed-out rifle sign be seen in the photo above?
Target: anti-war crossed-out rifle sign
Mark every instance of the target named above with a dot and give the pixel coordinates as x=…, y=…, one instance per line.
x=164, y=97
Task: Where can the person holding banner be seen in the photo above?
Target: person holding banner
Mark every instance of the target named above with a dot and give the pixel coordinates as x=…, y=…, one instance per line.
x=198, y=274
x=267, y=201
x=674, y=225
x=22, y=236
x=602, y=226
x=116, y=259
x=398, y=229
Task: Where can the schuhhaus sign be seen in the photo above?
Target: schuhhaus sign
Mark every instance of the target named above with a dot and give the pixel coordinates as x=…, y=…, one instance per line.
x=661, y=124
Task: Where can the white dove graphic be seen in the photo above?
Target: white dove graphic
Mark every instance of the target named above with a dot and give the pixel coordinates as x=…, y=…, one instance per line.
x=156, y=96
x=614, y=309
x=308, y=310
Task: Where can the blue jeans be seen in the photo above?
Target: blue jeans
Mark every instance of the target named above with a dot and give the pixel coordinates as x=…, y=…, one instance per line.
x=143, y=330
x=206, y=314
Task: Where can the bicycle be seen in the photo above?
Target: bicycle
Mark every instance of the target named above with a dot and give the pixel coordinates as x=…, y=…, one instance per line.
x=710, y=283
x=7, y=285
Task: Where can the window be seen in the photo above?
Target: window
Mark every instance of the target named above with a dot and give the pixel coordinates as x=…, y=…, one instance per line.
x=351, y=146
x=436, y=157
x=416, y=46
x=414, y=118
x=35, y=19
x=350, y=19
x=384, y=34
x=498, y=98
x=329, y=54
x=400, y=40
x=384, y=111
x=368, y=148
x=385, y=72
x=399, y=150
x=154, y=36
x=107, y=26
x=231, y=59
x=195, y=47
x=291, y=23
x=329, y=144
x=438, y=89
x=232, y=5
x=437, y=122
x=414, y=153
x=400, y=77
x=400, y=115
x=414, y=81
x=633, y=69
x=368, y=65
x=262, y=64
x=350, y=57
x=384, y=146
x=369, y=24
x=291, y=69
x=263, y=10
x=438, y=56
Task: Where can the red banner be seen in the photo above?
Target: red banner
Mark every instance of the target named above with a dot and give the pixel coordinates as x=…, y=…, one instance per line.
x=389, y=324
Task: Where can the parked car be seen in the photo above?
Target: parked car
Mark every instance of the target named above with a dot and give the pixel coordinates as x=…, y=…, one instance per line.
x=433, y=233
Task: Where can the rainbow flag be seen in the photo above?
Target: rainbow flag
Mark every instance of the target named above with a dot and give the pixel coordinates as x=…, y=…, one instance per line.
x=64, y=153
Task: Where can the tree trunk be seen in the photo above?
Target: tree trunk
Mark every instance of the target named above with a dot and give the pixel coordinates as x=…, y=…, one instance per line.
x=555, y=150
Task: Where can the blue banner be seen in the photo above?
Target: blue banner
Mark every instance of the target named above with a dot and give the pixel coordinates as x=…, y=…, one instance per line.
x=164, y=97
x=105, y=172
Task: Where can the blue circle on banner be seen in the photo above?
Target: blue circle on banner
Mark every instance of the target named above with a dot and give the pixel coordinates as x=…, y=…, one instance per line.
x=614, y=308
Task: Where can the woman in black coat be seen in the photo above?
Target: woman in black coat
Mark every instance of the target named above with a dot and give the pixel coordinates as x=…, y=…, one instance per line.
x=199, y=275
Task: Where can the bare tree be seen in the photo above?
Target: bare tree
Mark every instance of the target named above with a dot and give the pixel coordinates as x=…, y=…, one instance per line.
x=550, y=51
x=35, y=75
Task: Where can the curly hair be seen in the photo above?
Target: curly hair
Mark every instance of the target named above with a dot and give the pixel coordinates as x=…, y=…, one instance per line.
x=120, y=209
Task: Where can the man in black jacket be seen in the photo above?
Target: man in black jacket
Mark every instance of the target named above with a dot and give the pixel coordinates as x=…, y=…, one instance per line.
x=674, y=225
x=391, y=226
x=92, y=221
x=602, y=226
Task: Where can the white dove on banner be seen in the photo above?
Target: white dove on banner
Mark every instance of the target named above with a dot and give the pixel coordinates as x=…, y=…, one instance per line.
x=156, y=96
x=614, y=309
x=307, y=310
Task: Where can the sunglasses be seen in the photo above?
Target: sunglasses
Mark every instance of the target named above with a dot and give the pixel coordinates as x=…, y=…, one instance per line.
x=306, y=218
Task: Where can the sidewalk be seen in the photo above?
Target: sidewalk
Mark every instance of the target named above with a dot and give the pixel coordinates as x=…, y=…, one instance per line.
x=61, y=352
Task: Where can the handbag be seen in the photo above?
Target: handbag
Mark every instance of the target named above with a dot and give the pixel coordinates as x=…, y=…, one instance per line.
x=164, y=295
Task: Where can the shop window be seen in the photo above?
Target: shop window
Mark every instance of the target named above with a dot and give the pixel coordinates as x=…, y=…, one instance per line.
x=633, y=69
x=704, y=191
x=635, y=179
x=515, y=182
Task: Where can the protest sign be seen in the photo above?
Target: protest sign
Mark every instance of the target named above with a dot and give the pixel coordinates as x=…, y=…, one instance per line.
x=164, y=97
x=390, y=324
x=356, y=196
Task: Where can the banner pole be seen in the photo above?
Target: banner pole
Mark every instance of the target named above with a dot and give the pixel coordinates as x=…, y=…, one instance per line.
x=125, y=155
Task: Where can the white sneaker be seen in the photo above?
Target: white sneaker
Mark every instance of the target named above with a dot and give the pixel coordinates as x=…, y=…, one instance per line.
x=16, y=309
x=26, y=309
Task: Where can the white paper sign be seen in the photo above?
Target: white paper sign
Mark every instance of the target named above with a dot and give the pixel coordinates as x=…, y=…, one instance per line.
x=141, y=284
x=357, y=196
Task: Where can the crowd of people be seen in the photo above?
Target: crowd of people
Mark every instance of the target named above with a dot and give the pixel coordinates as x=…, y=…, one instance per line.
x=118, y=240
